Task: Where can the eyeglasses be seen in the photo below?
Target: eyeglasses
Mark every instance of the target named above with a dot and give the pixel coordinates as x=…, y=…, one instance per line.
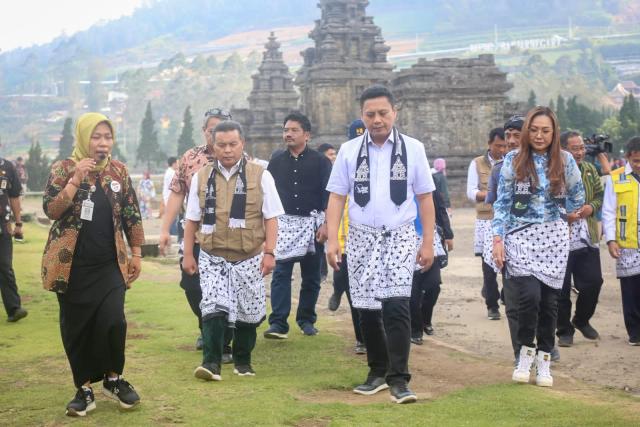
x=218, y=112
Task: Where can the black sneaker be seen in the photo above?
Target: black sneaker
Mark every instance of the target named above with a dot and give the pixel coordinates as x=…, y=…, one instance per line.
x=555, y=354
x=199, y=343
x=208, y=372
x=18, y=313
x=334, y=302
x=416, y=340
x=227, y=358
x=81, y=404
x=360, y=348
x=371, y=386
x=400, y=393
x=493, y=314
x=565, y=340
x=308, y=329
x=588, y=331
x=428, y=329
x=244, y=371
x=274, y=334
x=121, y=391
x=634, y=342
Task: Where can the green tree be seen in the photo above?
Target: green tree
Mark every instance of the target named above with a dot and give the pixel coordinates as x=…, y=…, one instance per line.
x=37, y=166
x=561, y=112
x=185, y=141
x=148, y=148
x=66, y=140
x=531, y=102
x=629, y=118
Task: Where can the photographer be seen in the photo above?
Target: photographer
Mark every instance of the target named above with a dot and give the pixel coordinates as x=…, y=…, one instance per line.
x=596, y=149
x=584, y=255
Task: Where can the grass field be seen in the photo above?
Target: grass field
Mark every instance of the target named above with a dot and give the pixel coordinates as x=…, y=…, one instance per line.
x=35, y=381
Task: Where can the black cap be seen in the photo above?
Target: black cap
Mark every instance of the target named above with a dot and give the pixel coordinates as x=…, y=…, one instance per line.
x=356, y=129
x=514, y=122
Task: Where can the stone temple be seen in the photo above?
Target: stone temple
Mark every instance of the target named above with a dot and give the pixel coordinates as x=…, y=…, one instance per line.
x=448, y=104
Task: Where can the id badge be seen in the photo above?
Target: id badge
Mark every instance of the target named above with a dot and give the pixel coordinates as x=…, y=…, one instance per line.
x=3, y=184
x=87, y=210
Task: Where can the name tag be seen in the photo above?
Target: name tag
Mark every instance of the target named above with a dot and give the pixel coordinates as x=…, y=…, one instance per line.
x=3, y=184
x=86, y=212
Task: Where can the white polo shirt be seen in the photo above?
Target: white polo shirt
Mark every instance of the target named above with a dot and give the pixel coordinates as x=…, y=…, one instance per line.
x=381, y=211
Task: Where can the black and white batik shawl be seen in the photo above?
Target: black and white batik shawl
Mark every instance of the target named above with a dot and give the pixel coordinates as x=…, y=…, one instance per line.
x=381, y=263
x=297, y=235
x=579, y=235
x=482, y=230
x=629, y=263
x=438, y=246
x=233, y=288
x=540, y=250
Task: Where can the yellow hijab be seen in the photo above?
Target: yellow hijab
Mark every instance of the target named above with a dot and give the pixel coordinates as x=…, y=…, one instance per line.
x=84, y=128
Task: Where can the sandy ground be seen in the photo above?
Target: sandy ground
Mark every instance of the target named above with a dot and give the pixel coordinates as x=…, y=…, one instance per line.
x=468, y=349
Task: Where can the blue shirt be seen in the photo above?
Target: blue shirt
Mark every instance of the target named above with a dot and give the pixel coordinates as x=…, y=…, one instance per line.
x=542, y=208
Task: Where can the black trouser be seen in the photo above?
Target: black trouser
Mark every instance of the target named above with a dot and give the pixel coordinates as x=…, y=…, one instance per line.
x=8, y=287
x=340, y=285
x=215, y=333
x=584, y=266
x=193, y=291
x=386, y=335
x=510, y=290
x=537, y=312
x=425, y=290
x=490, y=286
x=630, y=289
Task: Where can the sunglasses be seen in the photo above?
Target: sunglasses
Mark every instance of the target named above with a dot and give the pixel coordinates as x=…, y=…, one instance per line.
x=218, y=112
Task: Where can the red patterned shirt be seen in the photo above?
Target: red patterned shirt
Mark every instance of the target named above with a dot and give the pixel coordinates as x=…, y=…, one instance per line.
x=190, y=163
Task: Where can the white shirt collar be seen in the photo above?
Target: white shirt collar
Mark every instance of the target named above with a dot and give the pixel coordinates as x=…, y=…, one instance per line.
x=228, y=173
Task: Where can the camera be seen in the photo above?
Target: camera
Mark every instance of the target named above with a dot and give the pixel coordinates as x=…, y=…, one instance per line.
x=598, y=144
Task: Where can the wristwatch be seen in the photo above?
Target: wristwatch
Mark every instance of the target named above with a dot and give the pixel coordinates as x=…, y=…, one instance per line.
x=18, y=224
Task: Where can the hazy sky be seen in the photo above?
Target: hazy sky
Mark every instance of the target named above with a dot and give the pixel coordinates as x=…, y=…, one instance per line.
x=27, y=22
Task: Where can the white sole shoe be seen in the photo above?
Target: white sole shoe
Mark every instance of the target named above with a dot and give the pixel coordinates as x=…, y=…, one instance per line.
x=112, y=396
x=544, y=382
x=521, y=377
x=244, y=374
x=73, y=413
x=406, y=399
x=205, y=374
x=371, y=392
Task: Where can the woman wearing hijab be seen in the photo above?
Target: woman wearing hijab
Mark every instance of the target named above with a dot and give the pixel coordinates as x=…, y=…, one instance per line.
x=538, y=185
x=92, y=202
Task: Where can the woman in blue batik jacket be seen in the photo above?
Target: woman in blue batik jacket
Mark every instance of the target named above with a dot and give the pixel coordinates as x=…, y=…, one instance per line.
x=538, y=185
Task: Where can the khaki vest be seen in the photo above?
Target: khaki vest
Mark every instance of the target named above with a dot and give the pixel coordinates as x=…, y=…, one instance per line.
x=483, y=210
x=233, y=244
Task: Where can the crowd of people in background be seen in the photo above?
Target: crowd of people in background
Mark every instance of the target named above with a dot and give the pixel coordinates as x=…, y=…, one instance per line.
x=371, y=209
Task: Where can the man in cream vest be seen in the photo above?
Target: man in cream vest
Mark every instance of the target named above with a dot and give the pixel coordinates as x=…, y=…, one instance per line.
x=477, y=184
x=232, y=208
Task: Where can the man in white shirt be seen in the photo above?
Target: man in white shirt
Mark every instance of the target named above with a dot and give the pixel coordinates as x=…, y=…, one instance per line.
x=172, y=163
x=381, y=173
x=477, y=185
x=233, y=206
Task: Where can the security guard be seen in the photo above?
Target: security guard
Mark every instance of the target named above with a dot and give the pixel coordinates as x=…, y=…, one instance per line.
x=10, y=189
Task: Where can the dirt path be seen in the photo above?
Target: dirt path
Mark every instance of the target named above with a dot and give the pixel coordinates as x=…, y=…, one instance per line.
x=484, y=353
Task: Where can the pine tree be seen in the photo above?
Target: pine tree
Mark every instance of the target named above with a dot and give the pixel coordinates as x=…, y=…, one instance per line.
x=532, y=102
x=37, y=167
x=149, y=149
x=185, y=141
x=629, y=118
x=66, y=140
x=561, y=113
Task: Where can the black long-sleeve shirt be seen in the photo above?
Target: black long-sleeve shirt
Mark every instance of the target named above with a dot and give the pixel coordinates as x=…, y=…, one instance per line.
x=301, y=181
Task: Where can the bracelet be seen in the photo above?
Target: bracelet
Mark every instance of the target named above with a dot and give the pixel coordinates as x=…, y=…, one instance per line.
x=18, y=224
x=136, y=255
x=497, y=239
x=270, y=253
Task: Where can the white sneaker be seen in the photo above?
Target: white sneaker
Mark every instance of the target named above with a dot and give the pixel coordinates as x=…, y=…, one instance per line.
x=523, y=369
x=543, y=370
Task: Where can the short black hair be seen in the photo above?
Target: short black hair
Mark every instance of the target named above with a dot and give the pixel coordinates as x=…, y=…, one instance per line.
x=566, y=136
x=171, y=160
x=499, y=132
x=323, y=148
x=376, y=91
x=228, y=126
x=632, y=146
x=297, y=116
